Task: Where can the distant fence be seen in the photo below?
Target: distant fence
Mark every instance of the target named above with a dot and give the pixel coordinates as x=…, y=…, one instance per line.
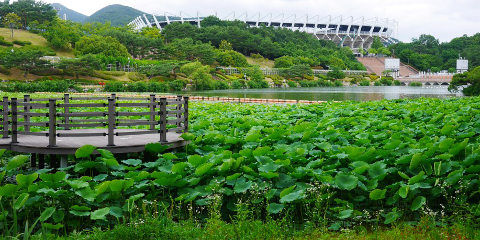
x=277, y=71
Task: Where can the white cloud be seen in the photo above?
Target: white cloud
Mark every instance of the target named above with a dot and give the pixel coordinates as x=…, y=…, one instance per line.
x=444, y=19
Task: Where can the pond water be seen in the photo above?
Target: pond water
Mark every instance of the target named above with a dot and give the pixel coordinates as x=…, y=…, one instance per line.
x=355, y=93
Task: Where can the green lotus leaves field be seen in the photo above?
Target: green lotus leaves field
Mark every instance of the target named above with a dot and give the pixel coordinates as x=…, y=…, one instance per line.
x=324, y=163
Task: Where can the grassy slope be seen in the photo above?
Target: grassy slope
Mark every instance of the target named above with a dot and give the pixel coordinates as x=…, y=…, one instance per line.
x=35, y=39
x=38, y=40
x=260, y=62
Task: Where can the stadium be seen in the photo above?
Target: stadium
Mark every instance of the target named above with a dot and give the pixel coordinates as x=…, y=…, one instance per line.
x=355, y=33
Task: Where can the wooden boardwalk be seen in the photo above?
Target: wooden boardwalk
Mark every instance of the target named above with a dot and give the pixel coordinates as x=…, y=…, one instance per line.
x=111, y=123
x=68, y=145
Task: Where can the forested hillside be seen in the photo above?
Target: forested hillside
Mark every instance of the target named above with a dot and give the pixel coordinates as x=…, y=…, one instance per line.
x=267, y=41
x=426, y=52
x=71, y=14
x=117, y=15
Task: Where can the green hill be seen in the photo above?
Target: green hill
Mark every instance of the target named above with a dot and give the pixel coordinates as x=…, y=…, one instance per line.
x=71, y=14
x=117, y=14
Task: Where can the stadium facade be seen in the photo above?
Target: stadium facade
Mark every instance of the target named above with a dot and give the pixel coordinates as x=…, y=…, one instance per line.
x=345, y=32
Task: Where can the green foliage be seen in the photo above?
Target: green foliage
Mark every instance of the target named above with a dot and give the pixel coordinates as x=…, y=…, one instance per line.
x=336, y=73
x=398, y=156
x=269, y=42
x=415, y=84
x=202, y=80
x=142, y=46
x=95, y=44
x=426, y=52
x=28, y=11
x=136, y=76
x=84, y=65
x=21, y=43
x=231, y=58
x=365, y=83
x=63, y=34
x=297, y=71
x=39, y=86
x=471, y=78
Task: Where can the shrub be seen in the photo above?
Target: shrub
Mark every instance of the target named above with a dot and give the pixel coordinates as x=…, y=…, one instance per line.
x=4, y=70
x=114, y=86
x=365, y=83
x=309, y=77
x=5, y=43
x=221, y=85
x=157, y=87
x=373, y=77
x=338, y=83
x=136, y=76
x=292, y=83
x=21, y=43
x=377, y=83
x=46, y=71
x=306, y=83
x=397, y=83
x=237, y=84
x=356, y=79
x=101, y=75
x=297, y=71
x=415, y=84
x=387, y=81
x=176, y=85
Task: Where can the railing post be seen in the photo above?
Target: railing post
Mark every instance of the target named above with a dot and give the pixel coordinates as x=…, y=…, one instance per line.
x=111, y=122
x=52, y=123
x=14, y=120
x=186, y=114
x=26, y=99
x=152, y=110
x=66, y=100
x=163, y=120
x=5, y=117
x=179, y=115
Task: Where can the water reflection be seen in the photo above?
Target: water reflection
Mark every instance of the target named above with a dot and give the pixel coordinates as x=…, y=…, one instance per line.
x=355, y=93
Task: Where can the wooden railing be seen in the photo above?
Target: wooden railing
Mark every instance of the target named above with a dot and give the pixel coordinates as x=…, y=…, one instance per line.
x=53, y=117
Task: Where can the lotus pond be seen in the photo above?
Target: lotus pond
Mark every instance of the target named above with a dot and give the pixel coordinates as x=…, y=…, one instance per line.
x=334, y=165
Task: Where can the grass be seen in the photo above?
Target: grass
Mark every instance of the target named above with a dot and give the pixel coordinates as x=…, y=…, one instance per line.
x=35, y=39
x=263, y=63
x=165, y=228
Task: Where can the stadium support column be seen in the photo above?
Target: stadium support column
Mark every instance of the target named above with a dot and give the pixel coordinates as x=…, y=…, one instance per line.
x=198, y=19
x=338, y=29
x=258, y=21
x=166, y=17
x=181, y=17
x=328, y=27
x=270, y=23
x=156, y=22
x=148, y=22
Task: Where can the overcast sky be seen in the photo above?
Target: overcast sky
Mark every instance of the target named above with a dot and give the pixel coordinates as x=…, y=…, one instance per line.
x=444, y=19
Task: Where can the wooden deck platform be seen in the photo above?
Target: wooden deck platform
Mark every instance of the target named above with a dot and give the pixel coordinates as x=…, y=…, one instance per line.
x=68, y=145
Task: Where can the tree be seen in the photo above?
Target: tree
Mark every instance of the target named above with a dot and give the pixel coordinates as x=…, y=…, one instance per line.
x=96, y=44
x=12, y=21
x=336, y=73
x=231, y=58
x=63, y=34
x=142, y=46
x=461, y=80
x=80, y=66
x=189, y=68
x=225, y=46
x=202, y=79
x=31, y=10
x=298, y=71
x=23, y=58
x=376, y=44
